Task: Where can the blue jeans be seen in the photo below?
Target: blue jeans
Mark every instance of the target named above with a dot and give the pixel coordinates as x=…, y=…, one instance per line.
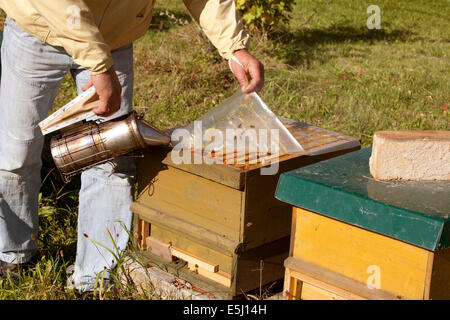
x=31, y=75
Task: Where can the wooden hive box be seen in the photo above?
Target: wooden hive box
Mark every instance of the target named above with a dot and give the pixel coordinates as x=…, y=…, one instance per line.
x=222, y=219
x=354, y=237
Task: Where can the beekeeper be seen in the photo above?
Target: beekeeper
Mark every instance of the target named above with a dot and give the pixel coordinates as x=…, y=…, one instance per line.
x=42, y=42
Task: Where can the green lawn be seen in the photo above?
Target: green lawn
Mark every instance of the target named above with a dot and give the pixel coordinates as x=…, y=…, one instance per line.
x=325, y=68
x=332, y=72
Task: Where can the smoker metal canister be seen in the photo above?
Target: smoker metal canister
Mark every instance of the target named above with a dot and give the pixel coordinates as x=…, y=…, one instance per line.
x=90, y=144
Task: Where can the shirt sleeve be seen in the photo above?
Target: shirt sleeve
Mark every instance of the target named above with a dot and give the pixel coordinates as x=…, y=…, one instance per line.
x=72, y=23
x=221, y=23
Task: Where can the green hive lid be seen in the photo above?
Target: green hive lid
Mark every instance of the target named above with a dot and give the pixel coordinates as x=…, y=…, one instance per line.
x=342, y=188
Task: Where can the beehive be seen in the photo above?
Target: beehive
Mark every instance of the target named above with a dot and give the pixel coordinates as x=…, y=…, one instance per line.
x=224, y=215
x=358, y=238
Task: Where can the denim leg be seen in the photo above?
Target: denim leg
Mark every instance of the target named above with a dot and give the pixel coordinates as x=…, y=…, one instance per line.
x=31, y=74
x=106, y=193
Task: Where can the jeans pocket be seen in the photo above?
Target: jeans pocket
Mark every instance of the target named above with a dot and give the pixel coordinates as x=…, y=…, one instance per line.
x=32, y=61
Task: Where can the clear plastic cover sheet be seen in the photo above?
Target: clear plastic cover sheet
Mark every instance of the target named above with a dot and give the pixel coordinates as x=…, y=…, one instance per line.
x=243, y=116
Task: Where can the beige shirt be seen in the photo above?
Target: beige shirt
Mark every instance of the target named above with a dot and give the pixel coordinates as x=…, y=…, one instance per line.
x=89, y=29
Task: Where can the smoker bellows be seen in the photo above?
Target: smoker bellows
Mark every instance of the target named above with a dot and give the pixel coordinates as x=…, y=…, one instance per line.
x=89, y=144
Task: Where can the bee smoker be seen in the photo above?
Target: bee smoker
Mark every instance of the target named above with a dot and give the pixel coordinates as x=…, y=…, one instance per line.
x=83, y=146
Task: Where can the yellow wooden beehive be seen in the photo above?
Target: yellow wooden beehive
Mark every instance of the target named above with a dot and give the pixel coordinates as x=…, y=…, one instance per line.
x=224, y=215
x=354, y=237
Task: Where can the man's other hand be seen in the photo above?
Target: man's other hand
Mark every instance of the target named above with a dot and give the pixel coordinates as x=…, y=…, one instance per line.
x=251, y=76
x=109, y=90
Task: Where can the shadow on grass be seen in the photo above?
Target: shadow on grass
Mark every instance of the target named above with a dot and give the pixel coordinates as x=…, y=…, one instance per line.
x=58, y=209
x=301, y=47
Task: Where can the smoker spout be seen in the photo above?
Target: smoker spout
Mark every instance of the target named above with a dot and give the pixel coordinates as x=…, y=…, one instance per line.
x=151, y=135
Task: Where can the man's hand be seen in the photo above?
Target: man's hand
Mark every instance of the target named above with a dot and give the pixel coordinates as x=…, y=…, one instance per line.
x=251, y=76
x=109, y=90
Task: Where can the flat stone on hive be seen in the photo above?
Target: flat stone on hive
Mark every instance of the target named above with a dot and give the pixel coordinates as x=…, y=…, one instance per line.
x=411, y=155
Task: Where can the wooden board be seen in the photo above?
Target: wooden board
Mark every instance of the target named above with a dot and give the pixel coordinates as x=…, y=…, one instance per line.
x=226, y=175
x=357, y=253
x=159, y=248
x=194, y=260
x=195, y=248
x=333, y=282
x=196, y=199
x=311, y=292
x=312, y=286
x=144, y=230
x=180, y=269
x=219, y=276
x=292, y=288
x=184, y=228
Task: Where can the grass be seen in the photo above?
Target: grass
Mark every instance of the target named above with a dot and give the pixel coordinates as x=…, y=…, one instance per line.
x=325, y=68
